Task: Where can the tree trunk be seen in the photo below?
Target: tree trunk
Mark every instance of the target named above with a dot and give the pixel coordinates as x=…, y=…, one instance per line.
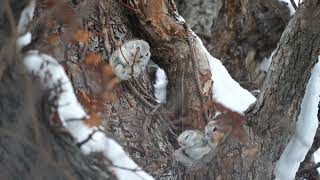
x=144, y=127
x=270, y=129
x=247, y=32
x=201, y=15
x=274, y=116
x=31, y=148
x=133, y=117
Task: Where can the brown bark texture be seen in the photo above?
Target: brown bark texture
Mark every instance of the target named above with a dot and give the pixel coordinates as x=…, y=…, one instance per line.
x=275, y=113
x=32, y=148
x=247, y=32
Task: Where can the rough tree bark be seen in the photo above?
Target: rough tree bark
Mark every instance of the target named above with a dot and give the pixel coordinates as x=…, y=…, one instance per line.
x=201, y=15
x=30, y=147
x=268, y=20
x=247, y=32
x=268, y=117
x=133, y=117
x=274, y=116
x=142, y=126
x=275, y=113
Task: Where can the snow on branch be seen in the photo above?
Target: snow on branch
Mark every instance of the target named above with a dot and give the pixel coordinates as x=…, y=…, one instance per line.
x=51, y=73
x=90, y=139
x=226, y=90
x=266, y=62
x=292, y=5
x=306, y=128
x=25, y=17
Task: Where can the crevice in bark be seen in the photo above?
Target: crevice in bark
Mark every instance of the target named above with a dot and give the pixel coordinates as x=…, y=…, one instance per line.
x=146, y=130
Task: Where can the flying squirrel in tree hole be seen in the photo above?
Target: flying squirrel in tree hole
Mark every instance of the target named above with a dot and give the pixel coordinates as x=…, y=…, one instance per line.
x=130, y=59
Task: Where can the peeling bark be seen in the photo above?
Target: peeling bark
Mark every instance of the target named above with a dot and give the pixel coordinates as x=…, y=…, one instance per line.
x=274, y=116
x=142, y=126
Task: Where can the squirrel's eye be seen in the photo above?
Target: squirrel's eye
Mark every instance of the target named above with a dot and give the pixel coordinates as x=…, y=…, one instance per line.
x=147, y=54
x=141, y=56
x=214, y=129
x=186, y=137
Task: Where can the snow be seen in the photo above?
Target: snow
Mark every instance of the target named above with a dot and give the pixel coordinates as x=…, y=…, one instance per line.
x=181, y=19
x=306, y=127
x=53, y=77
x=316, y=157
x=24, y=40
x=266, y=62
x=72, y=114
x=291, y=8
x=225, y=89
x=160, y=87
x=51, y=74
x=25, y=18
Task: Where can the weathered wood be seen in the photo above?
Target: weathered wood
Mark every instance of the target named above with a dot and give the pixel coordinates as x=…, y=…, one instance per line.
x=274, y=116
x=245, y=32
x=30, y=143
x=200, y=14
x=276, y=112
x=31, y=148
x=133, y=117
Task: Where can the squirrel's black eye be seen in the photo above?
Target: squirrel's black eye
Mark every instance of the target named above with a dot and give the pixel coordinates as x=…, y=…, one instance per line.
x=147, y=54
x=214, y=129
x=141, y=56
x=186, y=137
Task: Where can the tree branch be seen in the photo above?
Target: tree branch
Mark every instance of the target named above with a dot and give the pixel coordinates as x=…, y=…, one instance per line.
x=308, y=169
x=294, y=4
x=196, y=69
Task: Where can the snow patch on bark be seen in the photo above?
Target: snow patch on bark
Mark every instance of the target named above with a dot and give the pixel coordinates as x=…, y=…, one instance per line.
x=180, y=19
x=24, y=40
x=25, y=18
x=306, y=128
x=72, y=114
x=226, y=90
x=51, y=74
x=266, y=62
x=160, y=87
x=289, y=5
